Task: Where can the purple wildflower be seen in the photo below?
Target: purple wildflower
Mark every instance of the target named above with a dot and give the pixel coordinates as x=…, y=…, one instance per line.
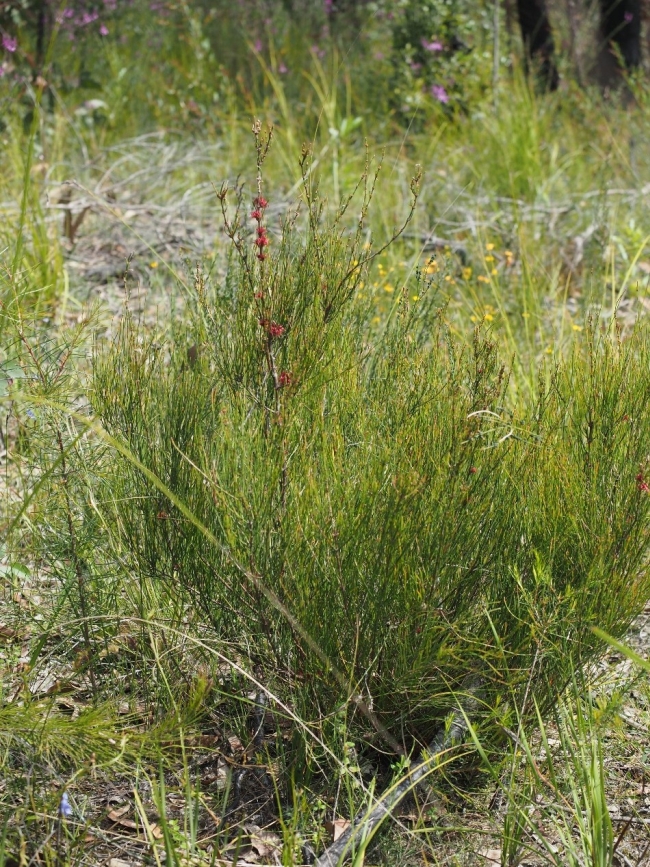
x=258, y=45
x=628, y=17
x=439, y=92
x=431, y=46
x=65, y=810
x=103, y=30
x=9, y=43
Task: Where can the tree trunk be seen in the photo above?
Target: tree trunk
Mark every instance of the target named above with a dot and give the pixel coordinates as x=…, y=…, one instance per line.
x=538, y=40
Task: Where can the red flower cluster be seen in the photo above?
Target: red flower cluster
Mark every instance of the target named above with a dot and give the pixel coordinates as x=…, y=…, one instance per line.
x=262, y=241
x=273, y=329
x=285, y=379
x=642, y=485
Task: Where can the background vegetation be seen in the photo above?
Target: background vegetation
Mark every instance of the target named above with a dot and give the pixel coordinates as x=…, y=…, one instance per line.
x=322, y=454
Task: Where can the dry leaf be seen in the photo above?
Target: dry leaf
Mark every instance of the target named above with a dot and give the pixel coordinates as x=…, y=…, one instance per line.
x=116, y=814
x=337, y=828
x=492, y=855
x=264, y=843
x=235, y=744
x=117, y=817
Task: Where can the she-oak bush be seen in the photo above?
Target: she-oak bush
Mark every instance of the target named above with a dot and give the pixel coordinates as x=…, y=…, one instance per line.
x=379, y=497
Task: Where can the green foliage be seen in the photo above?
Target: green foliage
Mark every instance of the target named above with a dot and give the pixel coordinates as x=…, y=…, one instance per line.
x=385, y=518
x=371, y=473
x=563, y=771
x=438, y=53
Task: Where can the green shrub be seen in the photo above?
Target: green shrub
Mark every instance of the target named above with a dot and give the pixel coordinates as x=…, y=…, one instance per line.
x=438, y=53
x=385, y=515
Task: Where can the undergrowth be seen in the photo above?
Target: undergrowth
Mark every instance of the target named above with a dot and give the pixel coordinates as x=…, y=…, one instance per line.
x=371, y=479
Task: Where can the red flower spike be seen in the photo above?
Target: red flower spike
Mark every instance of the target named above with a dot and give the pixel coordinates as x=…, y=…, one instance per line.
x=261, y=242
x=285, y=379
x=261, y=256
x=256, y=215
x=260, y=202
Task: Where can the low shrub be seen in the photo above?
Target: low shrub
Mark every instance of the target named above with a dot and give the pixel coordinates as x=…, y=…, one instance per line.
x=367, y=509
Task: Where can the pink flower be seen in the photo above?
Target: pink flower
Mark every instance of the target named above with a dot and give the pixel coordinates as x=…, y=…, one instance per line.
x=9, y=43
x=282, y=69
x=439, y=92
x=628, y=17
x=260, y=202
x=431, y=46
x=103, y=30
x=258, y=45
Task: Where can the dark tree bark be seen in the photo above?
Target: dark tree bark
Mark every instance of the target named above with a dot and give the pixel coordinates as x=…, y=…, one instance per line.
x=620, y=29
x=538, y=39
